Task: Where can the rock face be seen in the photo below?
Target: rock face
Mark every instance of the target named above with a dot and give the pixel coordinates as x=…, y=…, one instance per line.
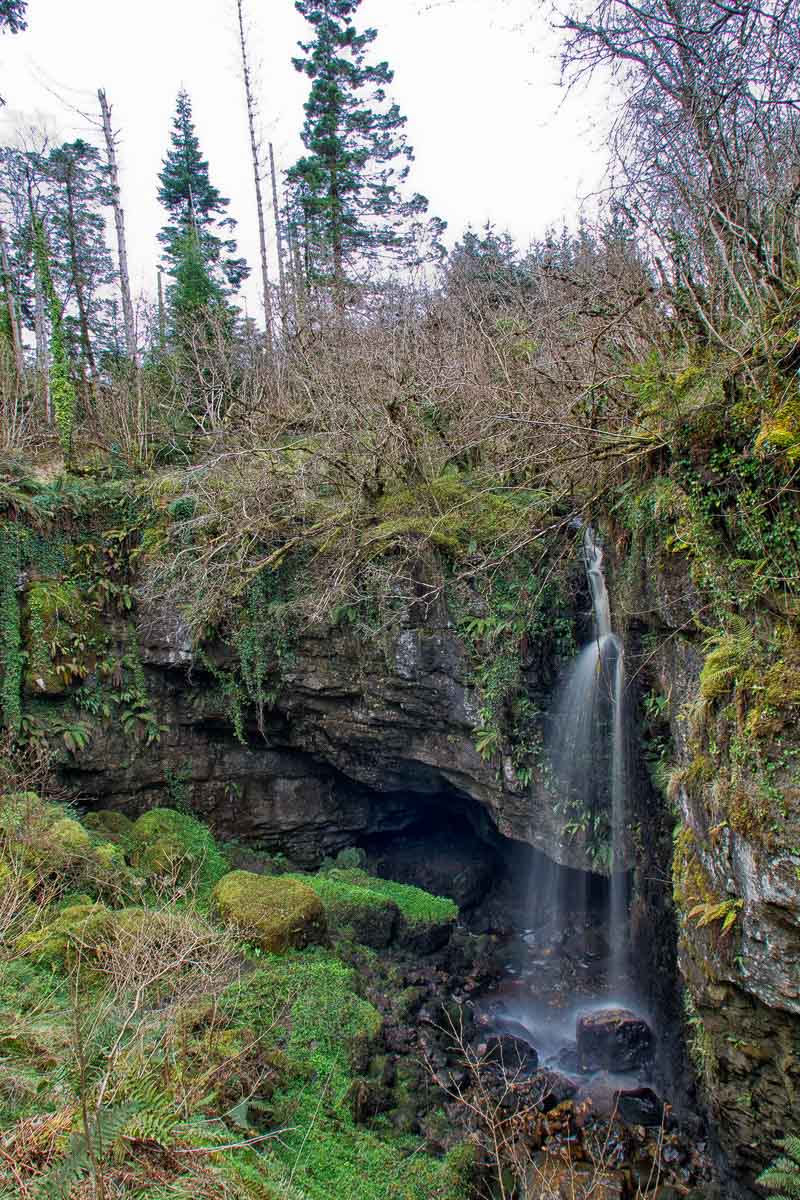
x=369, y=737
x=736, y=882
x=365, y=738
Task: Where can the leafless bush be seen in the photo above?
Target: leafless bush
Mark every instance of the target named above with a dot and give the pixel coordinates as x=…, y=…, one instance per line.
x=336, y=447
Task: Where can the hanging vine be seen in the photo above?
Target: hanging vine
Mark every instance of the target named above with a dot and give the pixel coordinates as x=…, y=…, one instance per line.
x=11, y=654
x=62, y=389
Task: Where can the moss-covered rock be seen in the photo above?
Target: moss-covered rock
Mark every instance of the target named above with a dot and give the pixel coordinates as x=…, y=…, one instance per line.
x=425, y=922
x=172, y=845
x=109, y=825
x=355, y=913
x=65, y=843
x=277, y=913
x=78, y=930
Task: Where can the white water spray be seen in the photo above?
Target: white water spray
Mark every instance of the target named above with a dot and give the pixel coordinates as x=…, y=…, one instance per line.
x=588, y=751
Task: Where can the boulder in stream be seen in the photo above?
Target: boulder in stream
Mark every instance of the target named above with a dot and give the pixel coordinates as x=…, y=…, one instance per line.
x=613, y=1039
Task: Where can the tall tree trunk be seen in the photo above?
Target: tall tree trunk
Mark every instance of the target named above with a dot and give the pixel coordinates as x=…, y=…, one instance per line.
x=16, y=339
x=40, y=316
x=42, y=347
x=254, y=151
x=278, y=237
x=119, y=222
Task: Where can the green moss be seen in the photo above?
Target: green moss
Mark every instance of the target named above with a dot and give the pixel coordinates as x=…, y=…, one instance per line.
x=455, y=514
x=331, y=1027
x=353, y=912
x=170, y=844
x=110, y=825
x=416, y=906
x=275, y=912
x=79, y=930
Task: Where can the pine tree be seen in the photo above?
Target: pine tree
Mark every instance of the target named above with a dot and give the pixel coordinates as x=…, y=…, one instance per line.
x=12, y=15
x=348, y=210
x=197, y=213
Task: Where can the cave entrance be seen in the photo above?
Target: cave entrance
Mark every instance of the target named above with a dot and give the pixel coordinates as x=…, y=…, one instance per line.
x=448, y=844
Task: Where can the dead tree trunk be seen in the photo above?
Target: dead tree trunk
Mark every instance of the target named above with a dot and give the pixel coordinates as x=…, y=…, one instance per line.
x=119, y=222
x=256, y=157
x=278, y=238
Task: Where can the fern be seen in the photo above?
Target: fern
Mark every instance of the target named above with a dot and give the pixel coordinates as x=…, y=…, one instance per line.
x=106, y=1128
x=154, y=1118
x=725, y=911
x=782, y=1178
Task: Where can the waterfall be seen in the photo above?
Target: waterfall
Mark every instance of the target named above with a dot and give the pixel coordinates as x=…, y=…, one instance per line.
x=588, y=753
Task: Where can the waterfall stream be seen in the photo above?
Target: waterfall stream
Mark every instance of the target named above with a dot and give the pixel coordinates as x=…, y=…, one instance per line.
x=588, y=755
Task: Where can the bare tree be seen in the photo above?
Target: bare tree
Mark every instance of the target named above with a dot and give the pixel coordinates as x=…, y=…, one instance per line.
x=128, y=320
x=255, y=152
x=706, y=143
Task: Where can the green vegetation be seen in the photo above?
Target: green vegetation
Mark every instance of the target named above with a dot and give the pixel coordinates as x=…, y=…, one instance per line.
x=153, y=1051
x=417, y=907
x=355, y=911
x=166, y=844
x=782, y=1178
x=273, y=912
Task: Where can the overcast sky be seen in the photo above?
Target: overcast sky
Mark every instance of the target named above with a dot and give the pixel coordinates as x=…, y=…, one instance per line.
x=494, y=137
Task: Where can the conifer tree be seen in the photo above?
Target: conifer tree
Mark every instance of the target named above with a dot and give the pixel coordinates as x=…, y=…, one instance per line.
x=348, y=210
x=197, y=214
x=12, y=15
x=79, y=191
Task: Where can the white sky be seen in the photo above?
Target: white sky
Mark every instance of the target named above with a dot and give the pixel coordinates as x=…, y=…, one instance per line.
x=494, y=137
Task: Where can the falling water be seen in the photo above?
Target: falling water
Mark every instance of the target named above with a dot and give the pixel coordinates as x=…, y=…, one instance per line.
x=588, y=750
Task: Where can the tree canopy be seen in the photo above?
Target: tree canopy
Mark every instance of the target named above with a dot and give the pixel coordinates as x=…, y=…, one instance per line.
x=348, y=208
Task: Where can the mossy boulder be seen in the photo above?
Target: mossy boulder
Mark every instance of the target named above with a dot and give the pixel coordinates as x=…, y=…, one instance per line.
x=64, y=847
x=355, y=913
x=110, y=826
x=275, y=912
x=172, y=845
x=78, y=930
x=425, y=922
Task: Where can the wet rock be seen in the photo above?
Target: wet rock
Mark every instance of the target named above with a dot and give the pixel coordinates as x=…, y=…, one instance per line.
x=640, y=1106
x=613, y=1039
x=555, y=1088
x=512, y=1053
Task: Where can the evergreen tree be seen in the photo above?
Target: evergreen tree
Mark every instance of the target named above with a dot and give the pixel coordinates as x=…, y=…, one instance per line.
x=79, y=191
x=197, y=215
x=12, y=15
x=347, y=206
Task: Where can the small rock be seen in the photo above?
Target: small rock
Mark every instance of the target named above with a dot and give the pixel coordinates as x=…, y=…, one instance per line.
x=613, y=1039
